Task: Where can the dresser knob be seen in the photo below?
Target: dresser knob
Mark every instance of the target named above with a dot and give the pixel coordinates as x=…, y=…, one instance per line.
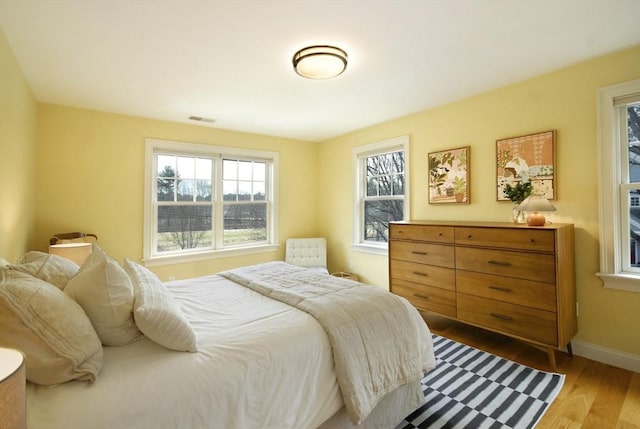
x=531, y=240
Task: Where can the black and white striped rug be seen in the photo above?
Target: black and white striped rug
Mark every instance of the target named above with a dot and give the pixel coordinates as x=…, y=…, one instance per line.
x=473, y=389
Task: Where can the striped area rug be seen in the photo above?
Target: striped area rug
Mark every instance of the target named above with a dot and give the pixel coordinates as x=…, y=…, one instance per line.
x=473, y=389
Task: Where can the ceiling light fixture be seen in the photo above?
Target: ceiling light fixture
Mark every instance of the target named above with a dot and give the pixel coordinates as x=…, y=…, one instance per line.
x=320, y=62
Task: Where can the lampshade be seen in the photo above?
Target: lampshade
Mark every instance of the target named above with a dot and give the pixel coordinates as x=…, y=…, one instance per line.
x=536, y=204
x=12, y=389
x=76, y=252
x=320, y=62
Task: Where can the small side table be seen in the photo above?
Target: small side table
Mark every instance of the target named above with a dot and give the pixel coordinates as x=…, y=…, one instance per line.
x=346, y=275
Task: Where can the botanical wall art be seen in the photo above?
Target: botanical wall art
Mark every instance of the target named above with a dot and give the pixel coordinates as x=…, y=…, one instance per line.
x=524, y=159
x=449, y=176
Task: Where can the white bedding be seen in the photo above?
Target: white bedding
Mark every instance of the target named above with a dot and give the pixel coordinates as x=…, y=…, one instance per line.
x=260, y=364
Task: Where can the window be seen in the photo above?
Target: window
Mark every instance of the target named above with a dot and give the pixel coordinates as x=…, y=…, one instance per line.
x=381, y=170
x=205, y=201
x=619, y=190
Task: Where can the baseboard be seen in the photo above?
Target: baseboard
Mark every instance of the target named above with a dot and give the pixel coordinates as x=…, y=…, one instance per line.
x=608, y=356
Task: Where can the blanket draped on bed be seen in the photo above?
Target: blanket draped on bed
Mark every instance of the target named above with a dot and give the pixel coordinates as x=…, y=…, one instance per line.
x=371, y=332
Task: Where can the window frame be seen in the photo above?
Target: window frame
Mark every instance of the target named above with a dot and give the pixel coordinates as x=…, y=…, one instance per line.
x=217, y=153
x=360, y=153
x=614, y=216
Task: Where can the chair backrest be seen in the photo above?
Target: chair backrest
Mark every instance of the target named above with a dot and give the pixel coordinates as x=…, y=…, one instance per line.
x=307, y=252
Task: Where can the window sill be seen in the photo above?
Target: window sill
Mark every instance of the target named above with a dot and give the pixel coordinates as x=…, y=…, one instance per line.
x=209, y=254
x=628, y=282
x=371, y=248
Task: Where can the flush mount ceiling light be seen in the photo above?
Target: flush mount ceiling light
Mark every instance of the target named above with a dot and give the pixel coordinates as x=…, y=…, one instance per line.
x=320, y=62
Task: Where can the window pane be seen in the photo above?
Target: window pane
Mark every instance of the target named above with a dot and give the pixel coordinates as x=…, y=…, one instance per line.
x=184, y=227
x=398, y=162
x=377, y=215
x=166, y=164
x=245, y=223
x=203, y=168
x=398, y=184
x=186, y=167
x=229, y=169
x=259, y=191
x=165, y=189
x=634, y=228
x=203, y=190
x=385, y=185
x=230, y=190
x=259, y=171
x=244, y=170
x=186, y=189
x=244, y=191
x=372, y=187
x=633, y=133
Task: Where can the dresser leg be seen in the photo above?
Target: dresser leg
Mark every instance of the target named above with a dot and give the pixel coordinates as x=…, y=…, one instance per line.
x=570, y=349
x=552, y=358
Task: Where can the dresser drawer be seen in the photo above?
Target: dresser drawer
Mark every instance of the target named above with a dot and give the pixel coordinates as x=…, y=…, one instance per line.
x=523, y=265
x=515, y=291
x=533, y=324
x=430, y=275
x=510, y=238
x=426, y=298
x=433, y=233
x=423, y=253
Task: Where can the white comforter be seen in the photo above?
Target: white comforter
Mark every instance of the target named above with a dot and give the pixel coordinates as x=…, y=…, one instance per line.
x=261, y=364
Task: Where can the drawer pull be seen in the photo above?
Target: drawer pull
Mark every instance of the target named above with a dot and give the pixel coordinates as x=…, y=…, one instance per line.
x=532, y=240
x=418, y=273
x=501, y=263
x=415, y=252
x=501, y=289
x=469, y=236
x=419, y=295
x=501, y=316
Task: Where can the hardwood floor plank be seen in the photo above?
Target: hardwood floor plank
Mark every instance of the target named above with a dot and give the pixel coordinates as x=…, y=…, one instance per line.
x=630, y=413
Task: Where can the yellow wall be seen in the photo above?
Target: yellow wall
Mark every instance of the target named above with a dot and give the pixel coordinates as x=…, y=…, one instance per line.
x=564, y=100
x=91, y=173
x=17, y=157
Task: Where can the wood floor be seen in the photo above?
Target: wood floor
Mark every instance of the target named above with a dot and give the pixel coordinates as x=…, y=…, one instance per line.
x=594, y=395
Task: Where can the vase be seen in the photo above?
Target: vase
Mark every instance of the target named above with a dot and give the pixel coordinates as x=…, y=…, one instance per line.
x=518, y=216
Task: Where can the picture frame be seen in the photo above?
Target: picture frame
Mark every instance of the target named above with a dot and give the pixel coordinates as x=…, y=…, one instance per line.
x=449, y=174
x=527, y=158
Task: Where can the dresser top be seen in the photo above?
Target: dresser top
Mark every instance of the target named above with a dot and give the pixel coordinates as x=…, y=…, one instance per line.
x=482, y=224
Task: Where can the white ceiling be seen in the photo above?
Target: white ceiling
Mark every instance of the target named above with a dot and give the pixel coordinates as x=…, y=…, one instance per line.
x=231, y=60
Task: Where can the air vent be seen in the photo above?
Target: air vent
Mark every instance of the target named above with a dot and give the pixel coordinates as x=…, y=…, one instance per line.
x=201, y=119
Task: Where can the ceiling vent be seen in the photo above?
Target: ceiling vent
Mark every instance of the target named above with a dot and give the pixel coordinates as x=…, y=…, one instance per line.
x=201, y=119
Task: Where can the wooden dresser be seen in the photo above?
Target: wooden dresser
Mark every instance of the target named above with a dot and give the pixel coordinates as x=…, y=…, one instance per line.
x=509, y=278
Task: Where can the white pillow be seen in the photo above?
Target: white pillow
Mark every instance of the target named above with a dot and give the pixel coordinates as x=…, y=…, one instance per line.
x=50, y=329
x=52, y=269
x=103, y=289
x=156, y=313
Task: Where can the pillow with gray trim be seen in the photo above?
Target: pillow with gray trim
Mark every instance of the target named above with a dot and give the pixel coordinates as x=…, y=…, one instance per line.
x=52, y=269
x=50, y=328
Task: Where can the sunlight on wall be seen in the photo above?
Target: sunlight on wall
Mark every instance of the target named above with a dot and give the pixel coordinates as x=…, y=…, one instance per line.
x=17, y=154
x=564, y=101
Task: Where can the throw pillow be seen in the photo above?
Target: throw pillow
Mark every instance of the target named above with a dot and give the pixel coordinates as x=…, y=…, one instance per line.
x=156, y=313
x=103, y=289
x=52, y=269
x=50, y=328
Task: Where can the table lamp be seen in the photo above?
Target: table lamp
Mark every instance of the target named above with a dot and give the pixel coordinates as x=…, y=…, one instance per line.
x=12, y=389
x=76, y=252
x=534, y=204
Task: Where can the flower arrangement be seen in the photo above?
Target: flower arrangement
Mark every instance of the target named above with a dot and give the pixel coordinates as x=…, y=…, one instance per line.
x=519, y=191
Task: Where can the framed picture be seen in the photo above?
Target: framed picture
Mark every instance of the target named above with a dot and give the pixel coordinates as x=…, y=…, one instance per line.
x=449, y=176
x=527, y=158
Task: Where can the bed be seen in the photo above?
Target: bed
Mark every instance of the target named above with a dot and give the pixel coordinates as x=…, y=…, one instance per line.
x=259, y=363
